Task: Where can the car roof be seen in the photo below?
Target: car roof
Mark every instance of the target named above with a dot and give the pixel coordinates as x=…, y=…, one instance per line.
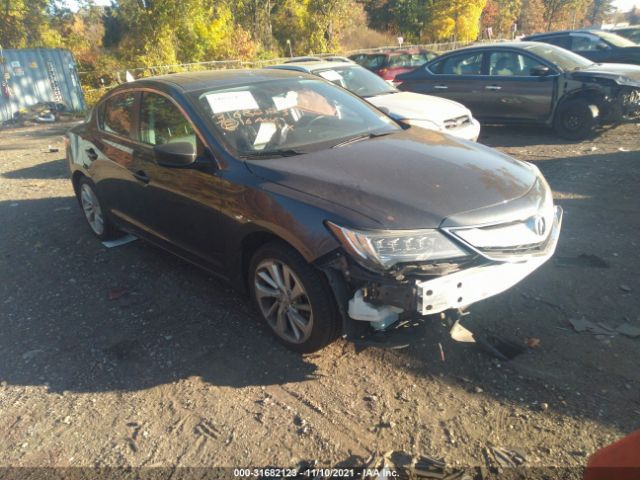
x=193, y=81
x=563, y=32
x=519, y=45
x=630, y=27
x=312, y=66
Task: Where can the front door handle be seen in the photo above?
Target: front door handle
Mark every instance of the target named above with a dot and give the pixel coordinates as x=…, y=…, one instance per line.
x=143, y=177
x=440, y=87
x=91, y=153
x=493, y=87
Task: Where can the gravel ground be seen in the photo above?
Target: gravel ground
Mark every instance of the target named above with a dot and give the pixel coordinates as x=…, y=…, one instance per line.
x=130, y=357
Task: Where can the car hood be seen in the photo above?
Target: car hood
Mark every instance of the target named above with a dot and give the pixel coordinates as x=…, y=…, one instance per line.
x=414, y=106
x=410, y=179
x=621, y=73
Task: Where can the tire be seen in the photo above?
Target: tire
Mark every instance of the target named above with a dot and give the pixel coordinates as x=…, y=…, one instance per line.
x=574, y=120
x=95, y=212
x=303, y=316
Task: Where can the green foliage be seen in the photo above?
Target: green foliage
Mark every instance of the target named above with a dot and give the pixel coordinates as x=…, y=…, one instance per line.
x=157, y=36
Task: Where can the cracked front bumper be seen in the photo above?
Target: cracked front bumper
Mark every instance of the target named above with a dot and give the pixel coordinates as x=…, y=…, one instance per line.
x=461, y=289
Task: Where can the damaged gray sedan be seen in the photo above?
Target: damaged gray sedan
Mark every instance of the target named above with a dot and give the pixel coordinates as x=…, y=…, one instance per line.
x=532, y=83
x=325, y=210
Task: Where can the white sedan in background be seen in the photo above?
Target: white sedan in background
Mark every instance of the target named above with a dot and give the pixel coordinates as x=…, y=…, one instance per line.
x=424, y=111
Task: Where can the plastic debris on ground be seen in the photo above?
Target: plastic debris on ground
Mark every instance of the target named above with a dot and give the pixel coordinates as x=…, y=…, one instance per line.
x=45, y=112
x=629, y=330
x=499, y=457
x=119, y=241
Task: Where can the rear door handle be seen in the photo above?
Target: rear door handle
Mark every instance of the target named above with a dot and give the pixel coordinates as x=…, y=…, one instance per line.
x=493, y=87
x=440, y=87
x=143, y=177
x=91, y=153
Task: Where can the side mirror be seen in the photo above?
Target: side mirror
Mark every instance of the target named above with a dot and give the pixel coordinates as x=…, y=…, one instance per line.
x=176, y=155
x=540, y=71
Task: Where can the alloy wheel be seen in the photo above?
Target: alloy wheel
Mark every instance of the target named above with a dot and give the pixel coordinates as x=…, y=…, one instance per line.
x=283, y=301
x=91, y=208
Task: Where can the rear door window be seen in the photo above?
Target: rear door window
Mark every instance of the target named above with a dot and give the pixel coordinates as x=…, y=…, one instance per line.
x=118, y=113
x=507, y=64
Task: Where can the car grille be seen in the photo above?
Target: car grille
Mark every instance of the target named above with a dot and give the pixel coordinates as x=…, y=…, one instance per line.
x=457, y=122
x=510, y=241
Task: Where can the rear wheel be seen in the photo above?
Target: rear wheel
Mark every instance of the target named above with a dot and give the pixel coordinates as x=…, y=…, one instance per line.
x=575, y=119
x=94, y=211
x=293, y=298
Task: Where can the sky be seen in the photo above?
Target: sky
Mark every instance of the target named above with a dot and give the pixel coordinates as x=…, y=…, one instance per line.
x=626, y=5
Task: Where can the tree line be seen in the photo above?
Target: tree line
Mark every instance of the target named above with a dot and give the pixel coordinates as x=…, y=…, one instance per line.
x=145, y=33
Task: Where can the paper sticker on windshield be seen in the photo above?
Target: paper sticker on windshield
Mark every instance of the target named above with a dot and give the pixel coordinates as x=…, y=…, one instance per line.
x=331, y=75
x=231, y=101
x=284, y=102
x=265, y=133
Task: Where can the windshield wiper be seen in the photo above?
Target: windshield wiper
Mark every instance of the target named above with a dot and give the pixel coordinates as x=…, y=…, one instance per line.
x=285, y=152
x=359, y=138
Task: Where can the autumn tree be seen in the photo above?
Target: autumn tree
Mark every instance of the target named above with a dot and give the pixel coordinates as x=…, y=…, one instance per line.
x=489, y=16
x=509, y=13
x=531, y=18
x=26, y=23
x=600, y=11
x=455, y=19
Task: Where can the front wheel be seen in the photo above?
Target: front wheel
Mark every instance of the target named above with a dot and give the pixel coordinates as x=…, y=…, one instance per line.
x=576, y=119
x=293, y=298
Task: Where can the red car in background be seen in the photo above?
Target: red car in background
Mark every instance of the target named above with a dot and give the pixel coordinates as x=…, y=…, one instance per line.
x=388, y=64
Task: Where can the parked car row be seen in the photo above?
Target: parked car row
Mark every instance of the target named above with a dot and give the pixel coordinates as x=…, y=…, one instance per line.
x=328, y=212
x=528, y=82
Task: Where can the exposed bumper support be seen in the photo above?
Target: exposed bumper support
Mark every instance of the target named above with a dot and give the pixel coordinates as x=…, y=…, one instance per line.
x=463, y=288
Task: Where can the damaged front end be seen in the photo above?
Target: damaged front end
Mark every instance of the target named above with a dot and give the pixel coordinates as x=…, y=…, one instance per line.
x=452, y=267
x=629, y=101
x=620, y=94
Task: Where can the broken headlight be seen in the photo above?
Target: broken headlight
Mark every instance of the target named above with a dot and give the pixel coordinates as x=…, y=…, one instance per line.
x=383, y=249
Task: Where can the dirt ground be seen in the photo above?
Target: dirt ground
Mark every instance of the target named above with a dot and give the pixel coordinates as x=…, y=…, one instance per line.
x=130, y=357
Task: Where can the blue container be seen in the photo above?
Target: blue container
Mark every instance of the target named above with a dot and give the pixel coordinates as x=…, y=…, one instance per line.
x=38, y=75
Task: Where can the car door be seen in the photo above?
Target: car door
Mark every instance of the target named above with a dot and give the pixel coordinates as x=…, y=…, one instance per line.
x=181, y=204
x=518, y=87
x=591, y=47
x=111, y=155
x=457, y=77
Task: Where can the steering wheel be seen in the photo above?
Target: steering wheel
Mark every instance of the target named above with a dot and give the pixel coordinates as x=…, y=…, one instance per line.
x=313, y=121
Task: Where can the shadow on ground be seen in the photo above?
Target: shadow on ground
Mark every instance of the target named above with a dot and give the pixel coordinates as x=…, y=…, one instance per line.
x=42, y=171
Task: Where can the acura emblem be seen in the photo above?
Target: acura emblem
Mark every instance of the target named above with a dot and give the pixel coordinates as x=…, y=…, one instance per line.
x=538, y=225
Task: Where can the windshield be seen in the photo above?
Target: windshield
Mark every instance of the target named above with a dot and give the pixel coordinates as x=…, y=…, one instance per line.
x=564, y=59
x=357, y=80
x=616, y=40
x=289, y=116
